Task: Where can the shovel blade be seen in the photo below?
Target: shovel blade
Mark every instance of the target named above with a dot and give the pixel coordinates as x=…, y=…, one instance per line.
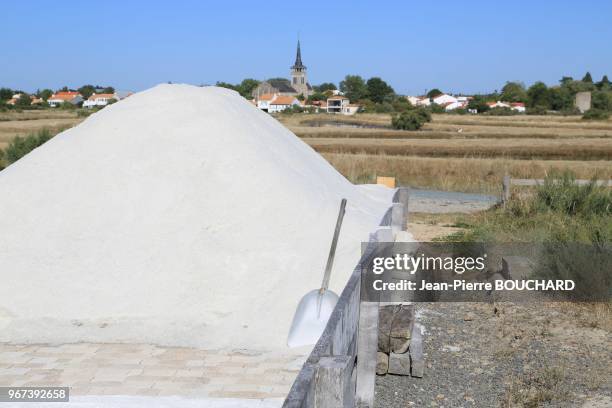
x=311, y=317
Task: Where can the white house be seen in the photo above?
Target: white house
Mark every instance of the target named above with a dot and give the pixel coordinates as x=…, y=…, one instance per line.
x=337, y=104
x=282, y=102
x=444, y=99
x=455, y=105
x=414, y=100
x=498, y=104
x=263, y=102
x=64, y=97
x=99, y=100
x=518, y=106
x=341, y=104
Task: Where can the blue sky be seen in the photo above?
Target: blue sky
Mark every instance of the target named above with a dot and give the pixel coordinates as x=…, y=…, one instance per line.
x=458, y=46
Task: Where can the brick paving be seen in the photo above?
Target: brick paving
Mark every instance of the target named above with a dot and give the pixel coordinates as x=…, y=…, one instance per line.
x=147, y=370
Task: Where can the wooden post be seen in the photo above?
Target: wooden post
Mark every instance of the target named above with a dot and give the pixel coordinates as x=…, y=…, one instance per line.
x=333, y=382
x=367, y=348
x=506, y=190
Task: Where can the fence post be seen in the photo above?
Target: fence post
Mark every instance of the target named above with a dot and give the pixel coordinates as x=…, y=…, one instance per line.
x=506, y=190
x=367, y=347
x=333, y=382
x=397, y=217
x=403, y=194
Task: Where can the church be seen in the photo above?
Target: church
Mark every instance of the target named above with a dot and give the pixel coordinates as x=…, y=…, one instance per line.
x=298, y=85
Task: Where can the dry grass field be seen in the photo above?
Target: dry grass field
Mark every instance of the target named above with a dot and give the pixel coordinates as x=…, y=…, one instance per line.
x=453, y=152
x=21, y=123
x=459, y=152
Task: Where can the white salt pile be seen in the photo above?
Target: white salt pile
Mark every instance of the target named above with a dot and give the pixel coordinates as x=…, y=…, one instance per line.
x=179, y=216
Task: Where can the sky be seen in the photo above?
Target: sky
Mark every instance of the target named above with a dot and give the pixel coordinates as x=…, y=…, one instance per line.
x=457, y=46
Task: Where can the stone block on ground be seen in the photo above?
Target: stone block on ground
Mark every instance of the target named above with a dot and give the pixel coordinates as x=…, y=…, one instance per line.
x=399, y=364
x=385, y=320
x=417, y=359
x=401, y=329
x=382, y=363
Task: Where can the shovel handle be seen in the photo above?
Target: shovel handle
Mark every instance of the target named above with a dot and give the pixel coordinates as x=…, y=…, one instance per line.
x=332, y=250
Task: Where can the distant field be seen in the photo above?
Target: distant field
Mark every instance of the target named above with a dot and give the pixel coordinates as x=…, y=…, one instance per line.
x=463, y=153
x=458, y=152
x=21, y=123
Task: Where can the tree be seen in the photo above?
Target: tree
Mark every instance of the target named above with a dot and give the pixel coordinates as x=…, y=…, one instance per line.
x=354, y=87
x=538, y=95
x=378, y=90
x=601, y=100
x=479, y=104
x=226, y=85
x=411, y=120
x=6, y=94
x=45, y=94
x=566, y=80
x=246, y=87
x=326, y=86
x=513, y=92
x=87, y=90
x=604, y=84
x=24, y=100
x=433, y=93
x=561, y=98
x=317, y=96
x=587, y=78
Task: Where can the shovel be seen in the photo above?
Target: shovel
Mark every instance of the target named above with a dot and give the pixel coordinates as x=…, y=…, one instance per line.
x=316, y=306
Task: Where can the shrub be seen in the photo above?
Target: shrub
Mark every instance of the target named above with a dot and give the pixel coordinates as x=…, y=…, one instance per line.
x=411, y=120
x=435, y=108
x=501, y=111
x=67, y=106
x=292, y=109
x=537, y=110
x=20, y=146
x=560, y=193
x=596, y=114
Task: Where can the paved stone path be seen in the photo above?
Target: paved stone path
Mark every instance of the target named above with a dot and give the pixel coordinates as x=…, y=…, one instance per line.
x=147, y=370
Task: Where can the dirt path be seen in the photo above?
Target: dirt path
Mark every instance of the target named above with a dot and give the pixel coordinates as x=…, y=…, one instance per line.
x=503, y=354
x=507, y=355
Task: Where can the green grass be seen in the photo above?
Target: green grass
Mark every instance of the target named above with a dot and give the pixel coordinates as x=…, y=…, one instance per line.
x=570, y=224
x=22, y=145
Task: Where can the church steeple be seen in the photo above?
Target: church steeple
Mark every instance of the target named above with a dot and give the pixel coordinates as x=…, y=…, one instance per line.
x=299, y=81
x=298, y=59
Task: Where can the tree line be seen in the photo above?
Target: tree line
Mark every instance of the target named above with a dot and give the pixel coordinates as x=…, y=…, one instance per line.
x=25, y=100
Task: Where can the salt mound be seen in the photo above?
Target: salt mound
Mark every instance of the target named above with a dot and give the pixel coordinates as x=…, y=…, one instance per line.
x=178, y=216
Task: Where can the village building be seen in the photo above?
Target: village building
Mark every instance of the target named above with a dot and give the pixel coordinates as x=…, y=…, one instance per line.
x=516, y=106
x=444, y=99
x=99, y=100
x=297, y=85
x=282, y=102
x=337, y=104
x=341, y=104
x=61, y=97
x=449, y=106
